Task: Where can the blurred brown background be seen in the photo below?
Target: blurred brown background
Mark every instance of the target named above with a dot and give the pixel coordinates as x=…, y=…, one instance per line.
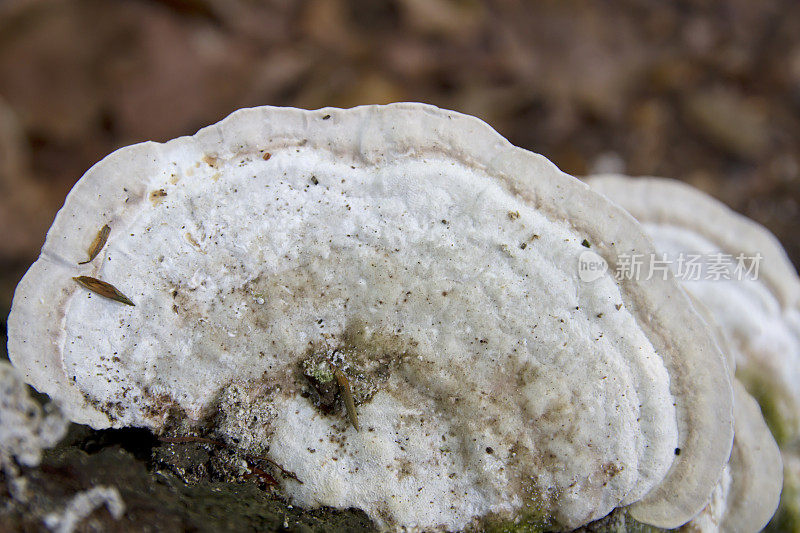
x=704, y=91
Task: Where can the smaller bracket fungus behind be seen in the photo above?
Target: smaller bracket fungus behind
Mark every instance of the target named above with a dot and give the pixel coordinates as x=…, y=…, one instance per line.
x=749, y=489
x=386, y=301
x=756, y=311
x=25, y=430
x=760, y=312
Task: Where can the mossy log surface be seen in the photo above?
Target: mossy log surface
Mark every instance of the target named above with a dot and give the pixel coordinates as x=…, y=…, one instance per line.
x=149, y=476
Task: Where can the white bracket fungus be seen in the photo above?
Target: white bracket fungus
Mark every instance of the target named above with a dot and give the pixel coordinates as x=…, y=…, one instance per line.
x=83, y=505
x=25, y=430
x=435, y=265
x=760, y=314
x=749, y=489
x=756, y=316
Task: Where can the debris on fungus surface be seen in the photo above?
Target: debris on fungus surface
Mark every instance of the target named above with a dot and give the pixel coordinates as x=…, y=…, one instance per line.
x=752, y=302
x=97, y=244
x=358, y=308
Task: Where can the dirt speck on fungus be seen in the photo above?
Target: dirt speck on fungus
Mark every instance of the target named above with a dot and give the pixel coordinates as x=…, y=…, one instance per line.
x=157, y=196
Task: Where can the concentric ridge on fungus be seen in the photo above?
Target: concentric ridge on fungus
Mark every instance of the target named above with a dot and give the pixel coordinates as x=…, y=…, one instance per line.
x=489, y=381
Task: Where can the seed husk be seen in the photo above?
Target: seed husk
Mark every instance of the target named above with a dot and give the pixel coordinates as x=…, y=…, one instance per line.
x=97, y=244
x=347, y=394
x=103, y=289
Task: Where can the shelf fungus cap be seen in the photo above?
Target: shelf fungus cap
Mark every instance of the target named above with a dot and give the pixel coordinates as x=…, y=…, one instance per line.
x=749, y=490
x=407, y=263
x=747, y=283
x=756, y=468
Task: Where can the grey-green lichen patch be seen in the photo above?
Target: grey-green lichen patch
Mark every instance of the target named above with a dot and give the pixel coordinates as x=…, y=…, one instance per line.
x=365, y=355
x=762, y=389
x=532, y=518
x=618, y=521
x=318, y=368
x=521, y=524
x=324, y=389
x=344, y=375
